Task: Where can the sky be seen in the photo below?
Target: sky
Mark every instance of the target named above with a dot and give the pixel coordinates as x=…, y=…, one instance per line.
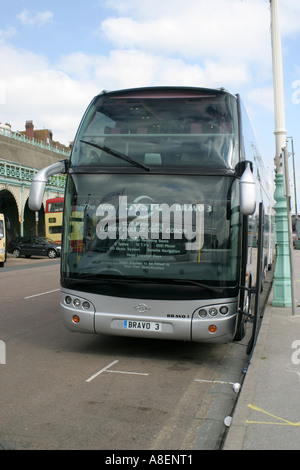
x=56, y=55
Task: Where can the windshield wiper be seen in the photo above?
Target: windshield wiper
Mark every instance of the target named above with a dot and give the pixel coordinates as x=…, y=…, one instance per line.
x=111, y=280
x=117, y=154
x=219, y=290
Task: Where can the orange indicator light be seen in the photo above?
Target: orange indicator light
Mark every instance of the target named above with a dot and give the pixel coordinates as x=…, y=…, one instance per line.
x=212, y=328
x=76, y=319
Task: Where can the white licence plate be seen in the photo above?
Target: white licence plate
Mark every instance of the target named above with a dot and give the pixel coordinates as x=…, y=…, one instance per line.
x=141, y=325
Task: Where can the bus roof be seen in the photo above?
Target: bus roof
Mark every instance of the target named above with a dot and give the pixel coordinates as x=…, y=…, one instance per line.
x=166, y=92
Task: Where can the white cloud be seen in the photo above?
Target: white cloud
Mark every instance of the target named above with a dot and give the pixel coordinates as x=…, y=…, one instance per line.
x=131, y=68
x=6, y=34
x=263, y=97
x=2, y=92
x=14, y=62
x=193, y=29
x=289, y=11
x=38, y=19
x=249, y=13
x=193, y=43
x=79, y=65
x=36, y=91
x=56, y=98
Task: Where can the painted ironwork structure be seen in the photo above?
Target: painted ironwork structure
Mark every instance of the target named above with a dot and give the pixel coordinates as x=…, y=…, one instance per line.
x=16, y=178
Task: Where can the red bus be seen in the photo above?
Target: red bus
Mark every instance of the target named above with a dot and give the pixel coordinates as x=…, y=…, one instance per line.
x=53, y=218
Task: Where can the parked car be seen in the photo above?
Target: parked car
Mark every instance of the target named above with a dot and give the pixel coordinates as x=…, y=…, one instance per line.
x=38, y=246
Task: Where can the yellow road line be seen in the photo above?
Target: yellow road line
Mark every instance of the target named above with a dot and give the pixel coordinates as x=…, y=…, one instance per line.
x=282, y=421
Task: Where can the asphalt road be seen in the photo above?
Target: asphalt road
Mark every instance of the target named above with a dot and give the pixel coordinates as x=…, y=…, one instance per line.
x=60, y=390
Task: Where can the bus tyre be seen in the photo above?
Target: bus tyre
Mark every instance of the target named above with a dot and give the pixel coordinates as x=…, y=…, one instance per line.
x=16, y=253
x=51, y=253
x=242, y=319
x=241, y=329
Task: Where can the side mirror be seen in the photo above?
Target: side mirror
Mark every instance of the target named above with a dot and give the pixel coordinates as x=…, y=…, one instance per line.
x=247, y=191
x=39, y=181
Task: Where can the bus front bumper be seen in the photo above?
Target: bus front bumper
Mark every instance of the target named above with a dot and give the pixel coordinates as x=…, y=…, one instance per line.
x=80, y=315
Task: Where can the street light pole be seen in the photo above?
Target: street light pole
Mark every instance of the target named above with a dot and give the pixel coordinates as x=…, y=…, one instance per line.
x=280, y=131
x=290, y=231
x=294, y=176
x=282, y=277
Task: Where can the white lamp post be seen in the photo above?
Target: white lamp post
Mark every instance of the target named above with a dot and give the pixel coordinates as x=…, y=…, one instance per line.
x=282, y=292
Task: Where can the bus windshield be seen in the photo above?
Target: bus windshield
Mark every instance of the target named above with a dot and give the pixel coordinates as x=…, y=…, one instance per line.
x=159, y=128
x=152, y=227
x=55, y=206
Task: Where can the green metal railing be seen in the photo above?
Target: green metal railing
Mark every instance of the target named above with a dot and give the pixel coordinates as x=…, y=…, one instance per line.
x=32, y=141
x=23, y=173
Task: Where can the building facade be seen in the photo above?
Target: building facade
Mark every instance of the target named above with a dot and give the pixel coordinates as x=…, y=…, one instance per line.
x=20, y=158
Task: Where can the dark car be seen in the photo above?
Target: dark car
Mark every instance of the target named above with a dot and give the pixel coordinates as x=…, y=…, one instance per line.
x=38, y=246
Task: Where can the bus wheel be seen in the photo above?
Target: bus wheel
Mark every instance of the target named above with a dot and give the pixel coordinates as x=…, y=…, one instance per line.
x=52, y=253
x=242, y=319
x=241, y=328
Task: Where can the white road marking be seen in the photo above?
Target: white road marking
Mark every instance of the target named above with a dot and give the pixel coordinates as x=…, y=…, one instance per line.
x=214, y=381
x=42, y=293
x=102, y=370
x=124, y=372
x=106, y=369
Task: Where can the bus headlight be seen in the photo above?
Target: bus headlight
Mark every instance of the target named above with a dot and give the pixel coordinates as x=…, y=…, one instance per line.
x=213, y=312
x=224, y=310
x=76, y=303
x=73, y=302
x=202, y=313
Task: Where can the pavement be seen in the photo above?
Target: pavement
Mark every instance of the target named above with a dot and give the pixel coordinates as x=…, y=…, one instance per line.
x=267, y=412
x=13, y=263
